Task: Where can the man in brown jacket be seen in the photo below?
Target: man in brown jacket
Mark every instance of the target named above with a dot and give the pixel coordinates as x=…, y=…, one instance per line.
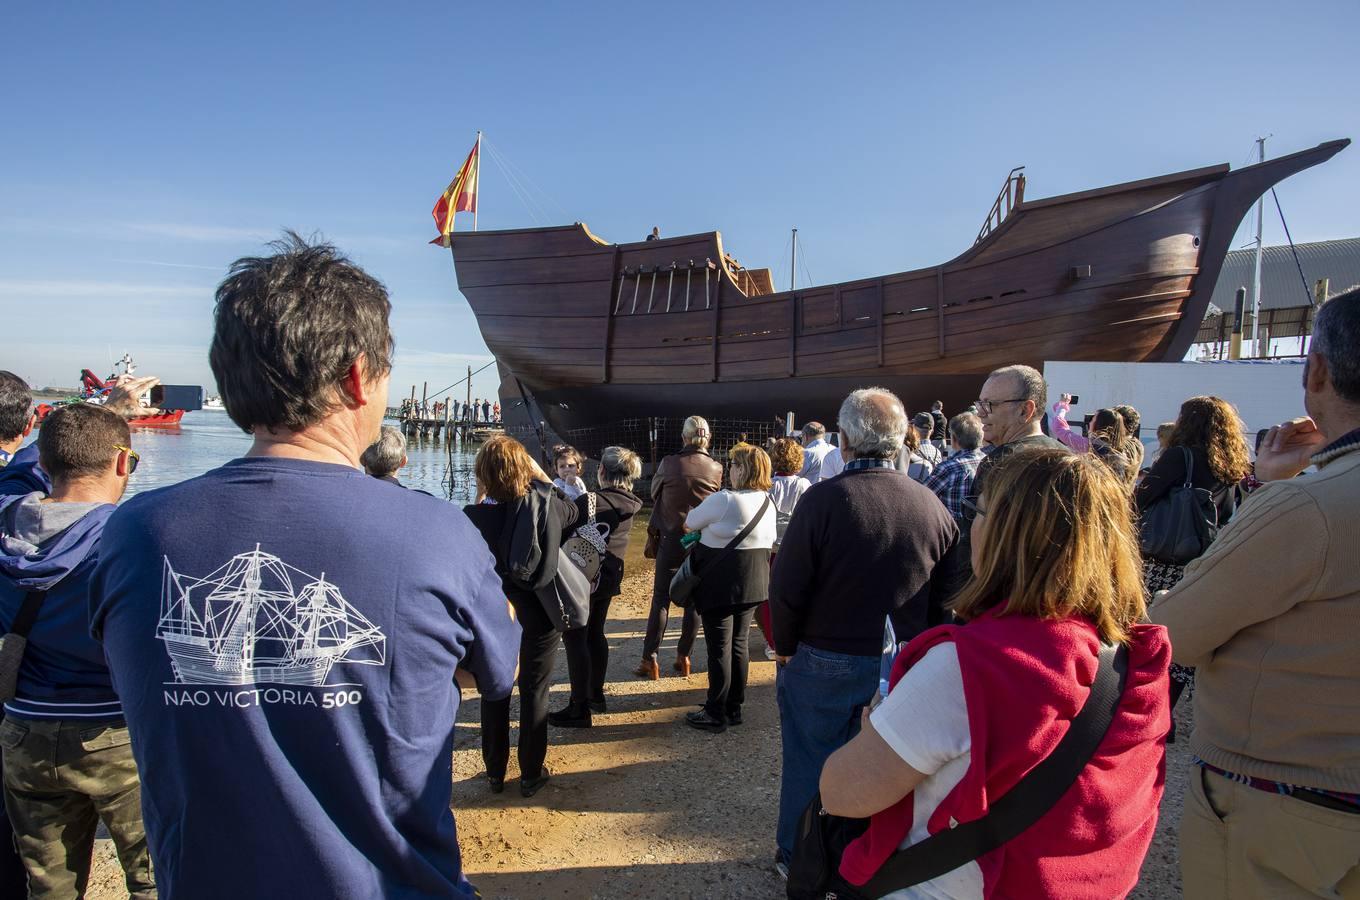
x=1269, y=616
x=680, y=483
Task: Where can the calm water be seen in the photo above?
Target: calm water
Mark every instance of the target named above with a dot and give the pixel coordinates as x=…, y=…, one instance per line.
x=207, y=438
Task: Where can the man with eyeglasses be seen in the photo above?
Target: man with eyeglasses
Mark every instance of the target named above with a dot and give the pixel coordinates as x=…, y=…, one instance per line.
x=67, y=756
x=1011, y=407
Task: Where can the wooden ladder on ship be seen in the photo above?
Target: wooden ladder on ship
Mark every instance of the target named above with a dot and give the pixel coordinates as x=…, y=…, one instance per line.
x=1012, y=194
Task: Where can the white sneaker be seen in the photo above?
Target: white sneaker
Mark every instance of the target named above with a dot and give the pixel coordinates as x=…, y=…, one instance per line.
x=781, y=868
x=770, y=654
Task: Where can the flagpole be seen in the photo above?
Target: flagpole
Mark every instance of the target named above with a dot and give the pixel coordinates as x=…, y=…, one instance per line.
x=476, y=203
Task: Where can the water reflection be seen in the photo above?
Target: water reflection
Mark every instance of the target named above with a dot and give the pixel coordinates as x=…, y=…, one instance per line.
x=207, y=438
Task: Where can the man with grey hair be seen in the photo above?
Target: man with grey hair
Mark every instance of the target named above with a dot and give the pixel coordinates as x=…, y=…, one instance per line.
x=863, y=547
x=1267, y=615
x=952, y=480
x=681, y=482
x=815, y=449
x=1011, y=408
x=386, y=455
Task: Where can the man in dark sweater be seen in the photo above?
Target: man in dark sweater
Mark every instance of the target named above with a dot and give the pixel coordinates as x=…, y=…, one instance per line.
x=862, y=547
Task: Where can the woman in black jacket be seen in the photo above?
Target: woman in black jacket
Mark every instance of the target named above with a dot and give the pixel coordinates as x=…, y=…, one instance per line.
x=1209, y=429
x=506, y=474
x=614, y=506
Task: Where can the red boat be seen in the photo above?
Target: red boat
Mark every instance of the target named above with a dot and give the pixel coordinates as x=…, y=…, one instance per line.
x=93, y=389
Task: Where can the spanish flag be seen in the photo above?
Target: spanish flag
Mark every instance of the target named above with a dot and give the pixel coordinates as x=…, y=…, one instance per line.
x=459, y=196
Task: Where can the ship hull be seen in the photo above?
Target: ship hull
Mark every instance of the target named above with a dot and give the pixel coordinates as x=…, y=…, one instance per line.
x=194, y=662
x=589, y=334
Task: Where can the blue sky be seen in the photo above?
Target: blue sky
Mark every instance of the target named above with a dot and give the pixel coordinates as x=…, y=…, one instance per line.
x=148, y=145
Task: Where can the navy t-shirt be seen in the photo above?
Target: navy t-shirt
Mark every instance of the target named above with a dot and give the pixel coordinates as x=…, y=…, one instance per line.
x=283, y=635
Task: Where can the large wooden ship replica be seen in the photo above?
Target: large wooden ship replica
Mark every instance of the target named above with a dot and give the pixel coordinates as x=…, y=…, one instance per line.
x=601, y=343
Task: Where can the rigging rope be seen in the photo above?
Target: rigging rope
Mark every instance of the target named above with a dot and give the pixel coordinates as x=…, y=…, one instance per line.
x=445, y=391
x=1292, y=249
x=510, y=180
x=530, y=183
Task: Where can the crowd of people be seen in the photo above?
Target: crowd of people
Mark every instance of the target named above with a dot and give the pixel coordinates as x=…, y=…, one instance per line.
x=472, y=412
x=232, y=669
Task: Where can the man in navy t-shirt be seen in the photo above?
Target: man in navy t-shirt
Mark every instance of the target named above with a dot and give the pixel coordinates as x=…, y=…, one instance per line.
x=285, y=632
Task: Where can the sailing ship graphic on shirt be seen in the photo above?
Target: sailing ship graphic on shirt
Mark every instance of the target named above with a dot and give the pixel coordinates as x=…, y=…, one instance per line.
x=258, y=620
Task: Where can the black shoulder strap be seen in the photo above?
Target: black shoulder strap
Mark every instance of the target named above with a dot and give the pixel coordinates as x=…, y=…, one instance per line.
x=1025, y=803
x=28, y=613
x=1189, y=466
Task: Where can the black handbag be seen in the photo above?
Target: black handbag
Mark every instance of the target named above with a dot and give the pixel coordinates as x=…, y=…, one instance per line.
x=1180, y=526
x=822, y=838
x=687, y=577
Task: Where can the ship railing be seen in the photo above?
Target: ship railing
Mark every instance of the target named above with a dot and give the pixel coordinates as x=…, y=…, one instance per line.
x=665, y=287
x=1012, y=195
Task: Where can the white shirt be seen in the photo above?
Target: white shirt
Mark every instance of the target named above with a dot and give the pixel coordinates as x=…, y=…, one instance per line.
x=813, y=454
x=832, y=465
x=723, y=514
x=784, y=493
x=924, y=719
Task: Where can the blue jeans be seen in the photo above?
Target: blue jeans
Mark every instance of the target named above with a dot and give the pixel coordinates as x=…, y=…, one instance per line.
x=821, y=695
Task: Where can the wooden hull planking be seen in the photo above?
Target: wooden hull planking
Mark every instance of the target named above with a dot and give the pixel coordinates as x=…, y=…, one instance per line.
x=593, y=331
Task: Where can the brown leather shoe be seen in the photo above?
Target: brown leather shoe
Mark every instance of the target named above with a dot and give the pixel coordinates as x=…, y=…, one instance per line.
x=682, y=666
x=648, y=669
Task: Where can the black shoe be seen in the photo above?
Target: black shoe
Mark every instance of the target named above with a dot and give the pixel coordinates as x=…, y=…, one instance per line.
x=575, y=715
x=597, y=705
x=497, y=784
x=530, y=786
x=734, y=717
x=705, y=722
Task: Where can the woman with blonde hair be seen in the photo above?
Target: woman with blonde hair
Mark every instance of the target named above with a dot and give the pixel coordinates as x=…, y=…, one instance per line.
x=734, y=582
x=508, y=476
x=974, y=707
x=1207, y=449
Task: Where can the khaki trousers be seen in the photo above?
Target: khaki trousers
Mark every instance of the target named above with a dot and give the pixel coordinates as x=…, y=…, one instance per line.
x=1243, y=843
x=61, y=777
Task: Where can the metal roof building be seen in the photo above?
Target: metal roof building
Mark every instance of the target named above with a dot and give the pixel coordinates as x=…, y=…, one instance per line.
x=1286, y=304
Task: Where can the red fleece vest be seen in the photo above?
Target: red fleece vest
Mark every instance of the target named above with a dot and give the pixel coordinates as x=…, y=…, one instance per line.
x=1024, y=680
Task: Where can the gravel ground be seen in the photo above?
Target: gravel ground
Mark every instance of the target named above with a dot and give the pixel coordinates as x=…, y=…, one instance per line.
x=642, y=806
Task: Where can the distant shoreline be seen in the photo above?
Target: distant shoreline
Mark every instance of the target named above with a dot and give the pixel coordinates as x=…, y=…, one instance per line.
x=50, y=393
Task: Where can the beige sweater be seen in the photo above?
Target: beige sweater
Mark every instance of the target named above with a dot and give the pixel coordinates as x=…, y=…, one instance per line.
x=1270, y=615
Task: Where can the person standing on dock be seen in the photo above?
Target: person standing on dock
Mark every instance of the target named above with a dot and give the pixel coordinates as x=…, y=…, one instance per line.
x=681, y=482
x=296, y=721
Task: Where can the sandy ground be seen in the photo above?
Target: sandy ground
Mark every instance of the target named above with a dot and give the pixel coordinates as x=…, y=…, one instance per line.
x=640, y=805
